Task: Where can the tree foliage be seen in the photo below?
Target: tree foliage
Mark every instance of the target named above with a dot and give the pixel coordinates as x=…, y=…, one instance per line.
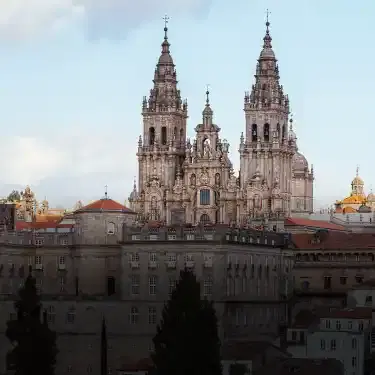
x=14, y=196
x=187, y=340
x=34, y=344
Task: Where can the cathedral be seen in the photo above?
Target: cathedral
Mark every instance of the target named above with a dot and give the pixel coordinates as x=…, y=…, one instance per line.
x=193, y=181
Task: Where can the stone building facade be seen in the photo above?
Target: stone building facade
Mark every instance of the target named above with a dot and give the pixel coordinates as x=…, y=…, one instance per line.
x=246, y=273
x=193, y=181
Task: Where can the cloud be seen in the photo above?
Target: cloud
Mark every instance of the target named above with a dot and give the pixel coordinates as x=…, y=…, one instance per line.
x=69, y=167
x=23, y=19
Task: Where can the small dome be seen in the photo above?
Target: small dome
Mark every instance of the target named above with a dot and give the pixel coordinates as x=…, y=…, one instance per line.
x=299, y=162
x=357, y=181
x=267, y=53
x=371, y=197
x=207, y=110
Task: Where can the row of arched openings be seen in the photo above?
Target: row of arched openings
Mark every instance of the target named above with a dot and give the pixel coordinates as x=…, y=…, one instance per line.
x=164, y=135
x=266, y=132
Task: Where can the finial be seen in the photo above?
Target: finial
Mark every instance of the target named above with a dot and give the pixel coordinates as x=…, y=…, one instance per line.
x=106, y=192
x=291, y=121
x=357, y=171
x=166, y=20
x=207, y=94
x=267, y=20
x=134, y=184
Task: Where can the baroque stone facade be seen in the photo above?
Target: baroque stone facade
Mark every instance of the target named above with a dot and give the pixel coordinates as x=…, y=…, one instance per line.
x=194, y=182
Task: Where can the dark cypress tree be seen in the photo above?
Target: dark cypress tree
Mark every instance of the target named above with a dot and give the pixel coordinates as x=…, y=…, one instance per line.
x=34, y=344
x=187, y=342
x=103, y=350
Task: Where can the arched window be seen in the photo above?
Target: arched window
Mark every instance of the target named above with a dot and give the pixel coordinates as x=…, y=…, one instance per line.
x=151, y=136
x=111, y=228
x=205, y=197
x=283, y=133
x=182, y=136
x=278, y=130
x=266, y=132
x=175, y=133
x=205, y=219
x=163, y=135
x=254, y=132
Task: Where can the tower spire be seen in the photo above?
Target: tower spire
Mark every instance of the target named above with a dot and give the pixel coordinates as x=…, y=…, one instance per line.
x=165, y=45
x=207, y=95
x=267, y=38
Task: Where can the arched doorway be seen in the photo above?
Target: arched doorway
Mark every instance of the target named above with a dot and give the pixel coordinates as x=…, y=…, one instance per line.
x=205, y=219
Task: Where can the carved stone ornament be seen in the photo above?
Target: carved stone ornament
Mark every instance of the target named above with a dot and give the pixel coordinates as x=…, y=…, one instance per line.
x=204, y=177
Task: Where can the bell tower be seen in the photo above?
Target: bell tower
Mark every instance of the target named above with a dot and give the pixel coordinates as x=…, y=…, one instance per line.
x=266, y=152
x=161, y=148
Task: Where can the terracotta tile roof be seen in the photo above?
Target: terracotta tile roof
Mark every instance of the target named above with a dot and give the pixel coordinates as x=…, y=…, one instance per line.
x=355, y=313
x=316, y=224
x=105, y=204
x=23, y=225
x=305, y=366
x=333, y=240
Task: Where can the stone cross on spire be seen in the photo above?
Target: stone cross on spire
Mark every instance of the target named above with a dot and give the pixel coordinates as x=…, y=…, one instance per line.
x=166, y=20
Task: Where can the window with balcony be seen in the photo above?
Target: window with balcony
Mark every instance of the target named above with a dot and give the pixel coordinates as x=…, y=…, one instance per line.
x=152, y=285
x=134, y=284
x=134, y=315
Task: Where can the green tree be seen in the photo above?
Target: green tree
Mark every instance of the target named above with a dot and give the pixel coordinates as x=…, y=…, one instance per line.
x=34, y=344
x=14, y=196
x=187, y=341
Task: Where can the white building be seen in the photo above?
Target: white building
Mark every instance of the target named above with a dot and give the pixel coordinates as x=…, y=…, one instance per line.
x=342, y=334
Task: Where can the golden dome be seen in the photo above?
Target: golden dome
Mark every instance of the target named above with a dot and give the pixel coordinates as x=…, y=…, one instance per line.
x=354, y=199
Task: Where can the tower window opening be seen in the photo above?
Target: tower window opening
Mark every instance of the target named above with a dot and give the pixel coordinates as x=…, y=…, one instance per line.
x=278, y=130
x=254, y=133
x=283, y=133
x=266, y=132
x=182, y=136
x=163, y=135
x=151, y=135
x=205, y=197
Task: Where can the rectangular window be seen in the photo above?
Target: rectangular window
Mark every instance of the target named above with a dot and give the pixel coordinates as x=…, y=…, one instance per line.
x=134, y=257
x=135, y=281
x=205, y=197
x=354, y=361
x=322, y=344
x=207, y=287
x=338, y=325
x=61, y=260
x=333, y=344
x=152, y=285
x=153, y=257
x=38, y=259
x=151, y=315
x=172, y=285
